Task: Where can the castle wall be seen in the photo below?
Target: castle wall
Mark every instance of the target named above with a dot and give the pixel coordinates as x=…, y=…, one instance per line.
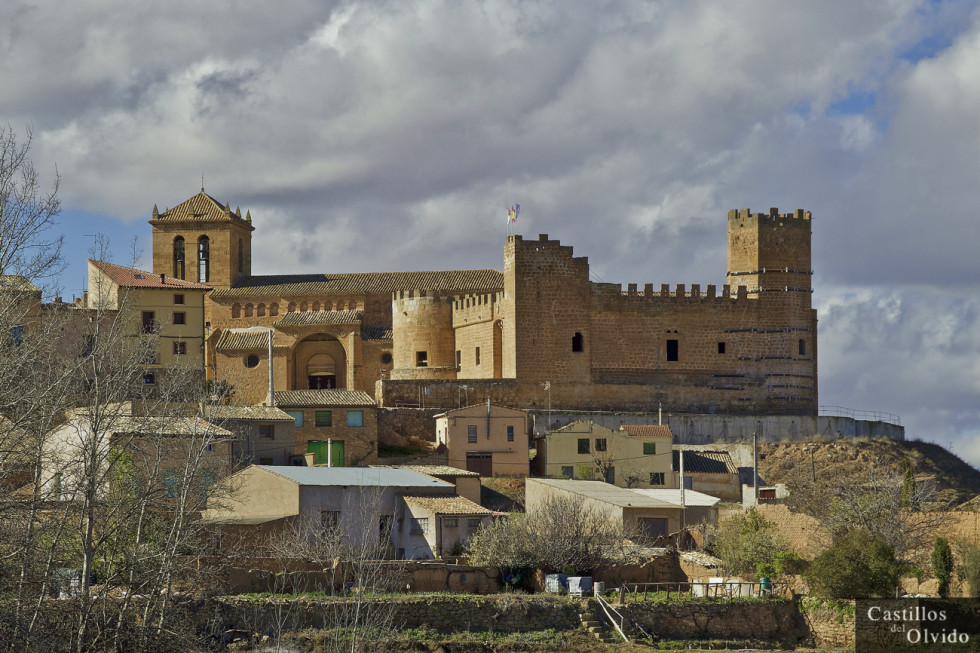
x=422, y=327
x=478, y=332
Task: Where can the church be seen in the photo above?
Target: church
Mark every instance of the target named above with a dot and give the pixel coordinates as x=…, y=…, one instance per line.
x=537, y=333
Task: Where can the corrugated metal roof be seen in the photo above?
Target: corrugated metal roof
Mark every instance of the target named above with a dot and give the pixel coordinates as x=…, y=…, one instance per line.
x=380, y=332
x=364, y=282
x=132, y=278
x=290, y=398
x=705, y=462
x=435, y=470
x=201, y=207
x=243, y=339
x=356, y=476
x=315, y=318
x=647, y=430
x=613, y=494
x=448, y=505
x=259, y=413
x=673, y=497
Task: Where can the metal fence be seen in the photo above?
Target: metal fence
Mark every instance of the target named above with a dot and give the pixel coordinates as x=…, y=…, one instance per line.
x=703, y=590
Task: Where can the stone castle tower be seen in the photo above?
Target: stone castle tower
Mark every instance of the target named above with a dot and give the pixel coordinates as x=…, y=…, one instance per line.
x=200, y=240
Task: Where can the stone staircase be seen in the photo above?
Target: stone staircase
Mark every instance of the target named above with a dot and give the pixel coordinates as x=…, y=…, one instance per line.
x=594, y=626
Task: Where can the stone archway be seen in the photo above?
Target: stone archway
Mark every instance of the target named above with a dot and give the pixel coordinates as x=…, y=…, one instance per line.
x=321, y=372
x=319, y=363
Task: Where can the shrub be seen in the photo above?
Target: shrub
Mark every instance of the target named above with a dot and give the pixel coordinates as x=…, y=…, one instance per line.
x=748, y=543
x=942, y=565
x=857, y=566
x=970, y=568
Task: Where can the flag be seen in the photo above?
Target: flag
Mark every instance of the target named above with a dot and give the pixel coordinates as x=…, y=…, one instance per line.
x=516, y=212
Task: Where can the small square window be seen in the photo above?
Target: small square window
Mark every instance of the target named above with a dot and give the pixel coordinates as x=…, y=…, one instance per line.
x=180, y=347
x=656, y=478
x=170, y=484
x=802, y=347
x=474, y=523
x=178, y=299
x=149, y=378
x=297, y=416
x=267, y=431
x=420, y=525
x=600, y=444
x=421, y=359
x=578, y=343
x=324, y=418
x=649, y=448
x=510, y=434
x=180, y=317
x=583, y=445
x=721, y=348
x=459, y=358
x=673, y=350
x=355, y=418
x=471, y=433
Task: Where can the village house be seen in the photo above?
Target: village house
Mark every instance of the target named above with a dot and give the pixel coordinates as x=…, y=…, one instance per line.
x=264, y=435
x=467, y=483
x=710, y=472
x=337, y=428
x=488, y=439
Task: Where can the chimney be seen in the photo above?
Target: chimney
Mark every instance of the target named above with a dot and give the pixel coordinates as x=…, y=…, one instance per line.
x=163, y=278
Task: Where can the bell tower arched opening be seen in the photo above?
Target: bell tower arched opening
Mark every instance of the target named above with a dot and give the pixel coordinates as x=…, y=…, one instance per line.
x=319, y=363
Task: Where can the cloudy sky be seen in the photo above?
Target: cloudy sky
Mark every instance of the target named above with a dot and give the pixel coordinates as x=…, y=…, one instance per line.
x=392, y=135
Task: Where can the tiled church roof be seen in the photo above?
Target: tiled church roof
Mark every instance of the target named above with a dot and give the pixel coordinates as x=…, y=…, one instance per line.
x=316, y=318
x=378, y=332
x=243, y=339
x=364, y=282
x=201, y=207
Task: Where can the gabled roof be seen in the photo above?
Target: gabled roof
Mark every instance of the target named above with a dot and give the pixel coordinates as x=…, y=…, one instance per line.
x=629, y=497
x=448, y=505
x=673, y=497
x=202, y=208
x=705, y=462
x=168, y=426
x=317, y=318
x=476, y=408
x=355, y=476
x=132, y=278
x=17, y=283
x=250, y=413
x=314, y=398
x=243, y=339
x=647, y=430
x=461, y=281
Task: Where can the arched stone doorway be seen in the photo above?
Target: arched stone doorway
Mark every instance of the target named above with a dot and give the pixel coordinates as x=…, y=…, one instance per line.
x=319, y=363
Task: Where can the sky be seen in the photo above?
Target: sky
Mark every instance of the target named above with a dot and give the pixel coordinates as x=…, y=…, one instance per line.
x=370, y=136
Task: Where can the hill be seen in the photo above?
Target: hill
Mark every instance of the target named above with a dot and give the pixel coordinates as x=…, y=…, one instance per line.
x=956, y=480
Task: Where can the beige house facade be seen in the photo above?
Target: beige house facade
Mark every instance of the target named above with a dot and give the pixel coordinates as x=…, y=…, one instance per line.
x=484, y=438
x=337, y=428
x=441, y=526
x=631, y=456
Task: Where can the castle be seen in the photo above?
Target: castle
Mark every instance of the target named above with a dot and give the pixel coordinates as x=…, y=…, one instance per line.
x=540, y=333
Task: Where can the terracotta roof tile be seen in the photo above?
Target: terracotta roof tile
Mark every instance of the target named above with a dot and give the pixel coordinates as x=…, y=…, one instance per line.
x=647, y=430
x=132, y=278
x=364, y=282
x=379, y=332
x=243, y=339
x=290, y=398
x=263, y=413
x=448, y=505
x=201, y=207
x=316, y=318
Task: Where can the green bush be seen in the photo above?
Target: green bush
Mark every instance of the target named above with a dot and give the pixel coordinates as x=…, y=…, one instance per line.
x=857, y=566
x=970, y=568
x=942, y=565
x=748, y=543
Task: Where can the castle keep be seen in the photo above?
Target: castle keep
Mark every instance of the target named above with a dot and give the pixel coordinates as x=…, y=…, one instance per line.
x=539, y=332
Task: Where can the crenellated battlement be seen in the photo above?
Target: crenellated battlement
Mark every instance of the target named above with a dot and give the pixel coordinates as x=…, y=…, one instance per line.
x=477, y=308
x=416, y=296
x=773, y=215
x=665, y=294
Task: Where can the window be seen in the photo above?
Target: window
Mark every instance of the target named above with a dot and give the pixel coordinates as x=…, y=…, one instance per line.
x=179, y=258
x=567, y=471
x=178, y=299
x=297, y=416
x=459, y=358
x=17, y=334
x=649, y=448
x=203, y=259
x=251, y=361
x=149, y=378
x=386, y=358
x=578, y=342
x=672, y=350
x=421, y=359
x=450, y=522
x=420, y=525
x=510, y=434
x=180, y=347
x=148, y=323
x=355, y=418
x=656, y=478
x=600, y=444
x=329, y=518
x=267, y=431
x=207, y=480
x=802, y=347
x=477, y=356
x=474, y=523
x=209, y=448
x=583, y=445
x=180, y=317
x=324, y=418
x=170, y=484
x=721, y=348
x=471, y=433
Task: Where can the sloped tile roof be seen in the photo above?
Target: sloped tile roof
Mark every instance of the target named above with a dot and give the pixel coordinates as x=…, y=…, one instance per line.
x=258, y=413
x=316, y=318
x=381, y=332
x=243, y=339
x=647, y=430
x=290, y=398
x=17, y=282
x=434, y=470
x=364, y=282
x=168, y=426
x=448, y=505
x=132, y=278
x=201, y=207
x=705, y=462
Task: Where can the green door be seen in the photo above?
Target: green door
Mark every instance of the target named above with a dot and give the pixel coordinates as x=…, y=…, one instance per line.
x=319, y=449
